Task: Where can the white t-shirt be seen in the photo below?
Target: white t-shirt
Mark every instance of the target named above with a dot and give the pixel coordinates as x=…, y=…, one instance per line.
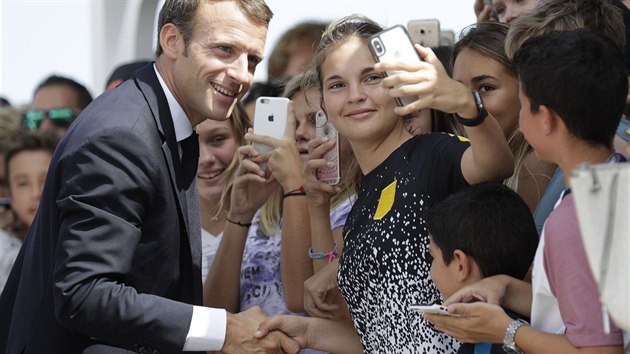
x=9, y=249
x=209, y=246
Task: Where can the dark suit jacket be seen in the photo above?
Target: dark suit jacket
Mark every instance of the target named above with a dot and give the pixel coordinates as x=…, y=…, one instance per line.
x=110, y=257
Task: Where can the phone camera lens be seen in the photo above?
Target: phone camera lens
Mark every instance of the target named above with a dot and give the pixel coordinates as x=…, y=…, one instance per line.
x=378, y=46
x=422, y=31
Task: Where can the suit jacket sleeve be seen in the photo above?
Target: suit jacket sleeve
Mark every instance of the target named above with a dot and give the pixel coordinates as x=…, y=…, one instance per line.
x=108, y=188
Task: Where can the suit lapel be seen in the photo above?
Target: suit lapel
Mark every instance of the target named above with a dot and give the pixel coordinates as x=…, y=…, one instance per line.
x=184, y=186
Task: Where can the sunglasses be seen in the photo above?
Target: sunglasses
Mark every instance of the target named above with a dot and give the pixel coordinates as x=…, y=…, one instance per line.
x=60, y=117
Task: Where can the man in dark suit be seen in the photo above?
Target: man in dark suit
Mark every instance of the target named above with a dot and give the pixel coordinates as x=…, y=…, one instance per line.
x=113, y=257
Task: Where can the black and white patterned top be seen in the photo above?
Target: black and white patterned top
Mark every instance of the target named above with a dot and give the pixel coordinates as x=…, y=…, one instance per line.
x=385, y=266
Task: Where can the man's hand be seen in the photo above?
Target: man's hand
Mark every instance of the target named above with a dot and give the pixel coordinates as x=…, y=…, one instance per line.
x=240, y=335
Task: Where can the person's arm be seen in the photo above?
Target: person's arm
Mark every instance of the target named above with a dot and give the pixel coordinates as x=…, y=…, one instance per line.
x=315, y=333
x=295, y=266
x=489, y=157
x=249, y=192
x=320, y=237
x=486, y=323
x=285, y=165
x=323, y=238
x=510, y=293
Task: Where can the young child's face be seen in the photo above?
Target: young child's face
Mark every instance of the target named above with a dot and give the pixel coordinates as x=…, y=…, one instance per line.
x=444, y=276
x=27, y=173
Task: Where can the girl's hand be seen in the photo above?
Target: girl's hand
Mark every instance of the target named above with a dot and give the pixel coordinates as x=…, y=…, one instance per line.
x=318, y=192
x=284, y=161
x=429, y=81
x=251, y=187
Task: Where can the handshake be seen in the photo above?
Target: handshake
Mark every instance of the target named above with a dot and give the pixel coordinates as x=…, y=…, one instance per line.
x=252, y=331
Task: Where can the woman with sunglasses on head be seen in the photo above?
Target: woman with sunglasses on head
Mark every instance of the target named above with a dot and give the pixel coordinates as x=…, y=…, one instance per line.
x=385, y=264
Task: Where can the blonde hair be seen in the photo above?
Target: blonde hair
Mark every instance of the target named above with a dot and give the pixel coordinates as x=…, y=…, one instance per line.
x=350, y=174
x=10, y=126
x=239, y=123
x=565, y=15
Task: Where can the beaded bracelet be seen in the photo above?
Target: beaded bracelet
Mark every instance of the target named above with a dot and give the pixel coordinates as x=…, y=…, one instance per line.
x=331, y=255
x=299, y=191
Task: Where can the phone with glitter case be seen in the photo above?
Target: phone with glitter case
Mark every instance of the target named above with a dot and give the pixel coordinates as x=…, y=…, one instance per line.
x=324, y=128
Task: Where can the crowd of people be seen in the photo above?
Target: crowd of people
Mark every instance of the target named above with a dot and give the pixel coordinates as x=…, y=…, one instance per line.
x=145, y=219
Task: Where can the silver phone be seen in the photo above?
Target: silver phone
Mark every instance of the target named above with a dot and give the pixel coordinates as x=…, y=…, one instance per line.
x=394, y=44
x=425, y=32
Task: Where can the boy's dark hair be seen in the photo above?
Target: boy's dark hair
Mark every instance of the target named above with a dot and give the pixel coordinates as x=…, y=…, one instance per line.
x=490, y=223
x=83, y=95
x=580, y=75
x=29, y=142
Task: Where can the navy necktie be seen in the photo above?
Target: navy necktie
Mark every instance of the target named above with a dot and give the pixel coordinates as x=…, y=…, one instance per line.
x=190, y=158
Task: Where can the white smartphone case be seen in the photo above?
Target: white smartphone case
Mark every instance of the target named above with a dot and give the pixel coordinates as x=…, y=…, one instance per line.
x=270, y=118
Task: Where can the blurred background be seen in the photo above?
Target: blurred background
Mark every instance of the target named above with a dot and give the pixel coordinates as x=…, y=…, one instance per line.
x=86, y=39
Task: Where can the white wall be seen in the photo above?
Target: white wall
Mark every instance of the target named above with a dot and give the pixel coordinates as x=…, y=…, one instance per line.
x=86, y=39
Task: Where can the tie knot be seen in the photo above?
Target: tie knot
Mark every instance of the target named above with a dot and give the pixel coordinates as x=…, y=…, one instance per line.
x=190, y=145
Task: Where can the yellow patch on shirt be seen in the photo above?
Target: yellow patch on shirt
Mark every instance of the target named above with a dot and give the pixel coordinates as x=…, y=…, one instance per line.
x=461, y=138
x=386, y=201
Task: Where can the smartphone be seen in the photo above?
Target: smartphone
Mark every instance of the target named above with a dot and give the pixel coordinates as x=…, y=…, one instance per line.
x=270, y=118
x=447, y=38
x=5, y=202
x=323, y=128
x=425, y=32
x=436, y=309
x=393, y=44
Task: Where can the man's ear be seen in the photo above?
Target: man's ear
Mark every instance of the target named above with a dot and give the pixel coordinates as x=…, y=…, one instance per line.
x=463, y=264
x=171, y=40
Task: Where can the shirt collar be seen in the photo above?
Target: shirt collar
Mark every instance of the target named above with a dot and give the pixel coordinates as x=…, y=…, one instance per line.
x=181, y=123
